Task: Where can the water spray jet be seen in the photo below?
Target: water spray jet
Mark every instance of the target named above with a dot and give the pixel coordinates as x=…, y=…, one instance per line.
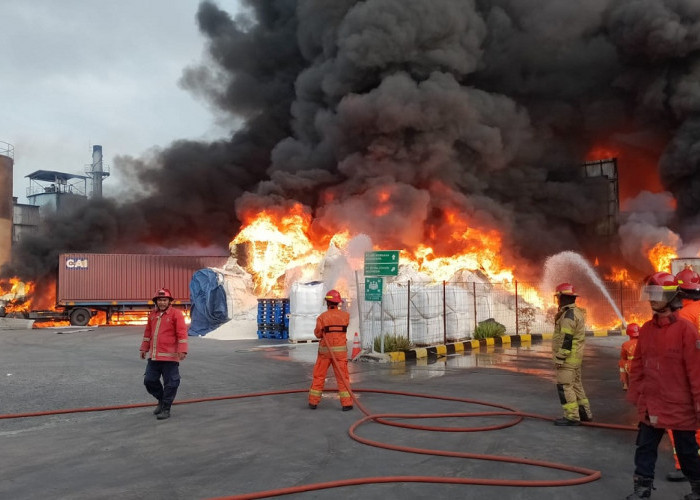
x=566, y=260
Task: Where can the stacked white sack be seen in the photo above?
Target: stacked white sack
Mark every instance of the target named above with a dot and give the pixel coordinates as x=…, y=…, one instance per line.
x=306, y=302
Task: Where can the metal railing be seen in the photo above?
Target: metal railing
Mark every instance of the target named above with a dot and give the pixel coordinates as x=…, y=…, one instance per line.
x=7, y=149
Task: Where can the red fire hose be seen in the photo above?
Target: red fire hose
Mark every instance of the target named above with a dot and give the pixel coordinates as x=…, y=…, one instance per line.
x=585, y=475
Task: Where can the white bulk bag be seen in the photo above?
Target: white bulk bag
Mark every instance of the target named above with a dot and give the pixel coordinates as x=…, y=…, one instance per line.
x=307, y=298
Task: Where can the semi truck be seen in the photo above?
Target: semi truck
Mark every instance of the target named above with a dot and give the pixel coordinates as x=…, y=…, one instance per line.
x=119, y=283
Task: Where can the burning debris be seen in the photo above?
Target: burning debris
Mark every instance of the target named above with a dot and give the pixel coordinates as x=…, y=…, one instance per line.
x=14, y=296
x=453, y=130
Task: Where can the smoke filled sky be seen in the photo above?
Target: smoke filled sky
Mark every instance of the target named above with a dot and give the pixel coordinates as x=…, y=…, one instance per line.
x=77, y=73
x=418, y=122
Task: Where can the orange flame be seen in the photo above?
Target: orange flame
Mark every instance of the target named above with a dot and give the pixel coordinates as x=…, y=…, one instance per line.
x=271, y=247
x=274, y=243
x=619, y=275
x=661, y=256
x=17, y=294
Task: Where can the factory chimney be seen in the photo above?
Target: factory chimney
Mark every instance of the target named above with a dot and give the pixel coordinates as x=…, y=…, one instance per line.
x=97, y=172
x=7, y=152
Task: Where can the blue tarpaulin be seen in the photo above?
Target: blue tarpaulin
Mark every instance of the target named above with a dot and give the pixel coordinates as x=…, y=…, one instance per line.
x=208, y=299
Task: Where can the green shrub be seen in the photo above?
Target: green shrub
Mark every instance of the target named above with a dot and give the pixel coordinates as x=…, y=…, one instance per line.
x=489, y=328
x=392, y=343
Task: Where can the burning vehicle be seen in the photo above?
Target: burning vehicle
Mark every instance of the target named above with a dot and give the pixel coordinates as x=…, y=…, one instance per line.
x=106, y=288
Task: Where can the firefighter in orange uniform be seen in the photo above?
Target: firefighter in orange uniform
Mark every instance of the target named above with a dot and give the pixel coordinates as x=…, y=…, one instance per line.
x=689, y=292
x=627, y=354
x=331, y=327
x=165, y=345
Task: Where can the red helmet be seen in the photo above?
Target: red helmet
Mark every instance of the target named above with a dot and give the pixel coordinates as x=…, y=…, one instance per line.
x=163, y=292
x=691, y=289
x=633, y=330
x=686, y=278
x=565, y=289
x=333, y=296
x=660, y=287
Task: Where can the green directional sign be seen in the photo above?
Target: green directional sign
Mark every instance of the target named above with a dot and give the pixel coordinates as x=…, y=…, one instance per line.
x=382, y=263
x=373, y=289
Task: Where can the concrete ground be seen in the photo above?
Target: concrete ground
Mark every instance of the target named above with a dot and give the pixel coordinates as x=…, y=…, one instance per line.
x=234, y=446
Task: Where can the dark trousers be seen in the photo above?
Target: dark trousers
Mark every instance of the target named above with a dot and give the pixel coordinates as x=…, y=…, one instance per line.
x=648, y=439
x=165, y=392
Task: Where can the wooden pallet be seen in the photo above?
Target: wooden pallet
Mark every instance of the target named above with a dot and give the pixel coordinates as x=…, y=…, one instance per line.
x=307, y=341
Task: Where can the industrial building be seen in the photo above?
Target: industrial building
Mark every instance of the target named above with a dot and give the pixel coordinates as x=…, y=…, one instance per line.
x=49, y=191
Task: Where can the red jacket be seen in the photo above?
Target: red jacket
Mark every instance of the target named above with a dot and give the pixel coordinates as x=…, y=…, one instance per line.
x=665, y=374
x=165, y=335
x=627, y=355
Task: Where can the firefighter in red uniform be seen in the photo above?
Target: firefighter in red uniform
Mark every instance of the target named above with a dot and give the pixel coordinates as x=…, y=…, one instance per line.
x=665, y=386
x=331, y=327
x=627, y=354
x=165, y=345
x=689, y=292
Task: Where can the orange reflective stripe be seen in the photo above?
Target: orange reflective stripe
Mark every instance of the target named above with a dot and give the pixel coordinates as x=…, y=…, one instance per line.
x=338, y=348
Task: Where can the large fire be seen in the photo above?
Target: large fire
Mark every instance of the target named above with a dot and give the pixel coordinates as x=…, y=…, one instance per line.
x=278, y=246
x=273, y=245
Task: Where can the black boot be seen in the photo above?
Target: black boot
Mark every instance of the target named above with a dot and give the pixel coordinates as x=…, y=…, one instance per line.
x=585, y=417
x=642, y=487
x=164, y=413
x=159, y=408
x=695, y=493
x=566, y=421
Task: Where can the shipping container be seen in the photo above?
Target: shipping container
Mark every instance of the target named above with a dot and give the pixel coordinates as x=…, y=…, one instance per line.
x=114, y=283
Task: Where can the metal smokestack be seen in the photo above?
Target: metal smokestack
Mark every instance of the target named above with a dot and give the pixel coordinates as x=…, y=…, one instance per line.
x=7, y=152
x=97, y=172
